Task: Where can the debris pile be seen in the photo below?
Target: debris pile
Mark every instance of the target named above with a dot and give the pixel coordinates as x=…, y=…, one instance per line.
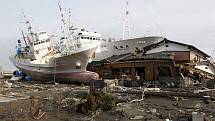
x=30, y=102
x=95, y=101
x=104, y=100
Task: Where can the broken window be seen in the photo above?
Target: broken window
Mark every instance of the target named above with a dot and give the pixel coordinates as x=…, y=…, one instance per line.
x=126, y=70
x=164, y=71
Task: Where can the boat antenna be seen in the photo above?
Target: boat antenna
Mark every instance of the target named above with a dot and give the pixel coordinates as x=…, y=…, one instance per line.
x=126, y=25
x=28, y=23
x=158, y=26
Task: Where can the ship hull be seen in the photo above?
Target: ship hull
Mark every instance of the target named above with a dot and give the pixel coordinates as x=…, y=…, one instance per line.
x=124, y=46
x=60, y=68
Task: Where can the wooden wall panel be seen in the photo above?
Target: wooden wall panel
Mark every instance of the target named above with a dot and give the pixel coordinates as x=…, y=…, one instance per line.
x=182, y=56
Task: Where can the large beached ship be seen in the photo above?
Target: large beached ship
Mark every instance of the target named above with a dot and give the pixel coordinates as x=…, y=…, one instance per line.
x=44, y=59
x=127, y=44
x=120, y=47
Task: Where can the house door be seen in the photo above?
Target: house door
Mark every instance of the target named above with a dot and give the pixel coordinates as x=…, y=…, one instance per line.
x=140, y=71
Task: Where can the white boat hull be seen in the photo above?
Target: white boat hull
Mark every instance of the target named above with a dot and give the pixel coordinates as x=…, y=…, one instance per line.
x=60, y=69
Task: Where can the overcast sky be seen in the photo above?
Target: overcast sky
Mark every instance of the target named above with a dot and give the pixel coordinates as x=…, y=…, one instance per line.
x=187, y=21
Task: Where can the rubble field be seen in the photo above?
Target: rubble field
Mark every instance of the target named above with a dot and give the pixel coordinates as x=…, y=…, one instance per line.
x=34, y=101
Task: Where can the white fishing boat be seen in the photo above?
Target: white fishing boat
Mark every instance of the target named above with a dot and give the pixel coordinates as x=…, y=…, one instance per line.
x=44, y=59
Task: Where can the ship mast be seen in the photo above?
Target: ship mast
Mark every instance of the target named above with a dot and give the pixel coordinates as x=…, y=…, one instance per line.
x=126, y=24
x=66, y=29
x=63, y=26
x=70, y=30
x=23, y=36
x=28, y=23
x=31, y=33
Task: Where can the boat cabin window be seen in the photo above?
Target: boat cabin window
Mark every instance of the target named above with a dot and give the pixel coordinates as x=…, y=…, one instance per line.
x=90, y=38
x=94, y=38
x=41, y=33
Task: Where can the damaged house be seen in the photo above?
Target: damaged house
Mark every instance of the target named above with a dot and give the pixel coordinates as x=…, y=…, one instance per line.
x=156, y=61
x=183, y=53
